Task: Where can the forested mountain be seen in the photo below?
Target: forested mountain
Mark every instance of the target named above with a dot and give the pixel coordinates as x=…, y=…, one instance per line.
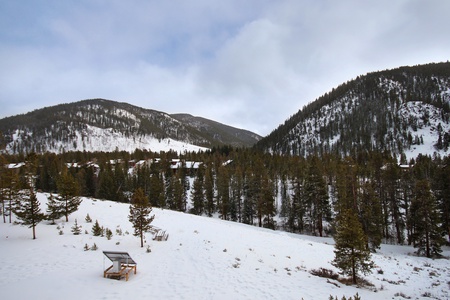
x=348, y=168
x=104, y=125
x=402, y=111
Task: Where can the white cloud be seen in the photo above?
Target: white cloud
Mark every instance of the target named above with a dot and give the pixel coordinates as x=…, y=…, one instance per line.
x=249, y=64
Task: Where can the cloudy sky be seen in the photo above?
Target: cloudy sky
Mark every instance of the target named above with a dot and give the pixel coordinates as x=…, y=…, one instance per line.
x=250, y=64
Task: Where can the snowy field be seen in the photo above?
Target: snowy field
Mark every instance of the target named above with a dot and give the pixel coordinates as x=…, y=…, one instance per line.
x=203, y=258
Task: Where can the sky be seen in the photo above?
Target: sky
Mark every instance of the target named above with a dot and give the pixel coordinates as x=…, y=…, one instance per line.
x=249, y=64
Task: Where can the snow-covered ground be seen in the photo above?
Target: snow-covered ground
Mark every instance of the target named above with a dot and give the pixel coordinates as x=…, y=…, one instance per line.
x=204, y=258
x=106, y=140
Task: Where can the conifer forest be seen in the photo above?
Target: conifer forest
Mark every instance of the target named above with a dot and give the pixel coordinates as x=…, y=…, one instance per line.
x=397, y=204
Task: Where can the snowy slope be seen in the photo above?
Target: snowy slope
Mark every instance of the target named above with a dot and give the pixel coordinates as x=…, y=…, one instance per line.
x=203, y=258
x=108, y=140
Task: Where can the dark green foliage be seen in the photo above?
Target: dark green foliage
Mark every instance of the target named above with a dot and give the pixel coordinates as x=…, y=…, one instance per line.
x=108, y=233
x=88, y=219
x=352, y=256
x=54, y=209
x=9, y=189
x=97, y=230
x=28, y=211
x=258, y=188
x=76, y=229
x=68, y=191
x=426, y=235
x=371, y=216
x=356, y=297
x=139, y=216
x=197, y=194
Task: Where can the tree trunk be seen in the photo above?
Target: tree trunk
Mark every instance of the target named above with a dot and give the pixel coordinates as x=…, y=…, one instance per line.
x=353, y=267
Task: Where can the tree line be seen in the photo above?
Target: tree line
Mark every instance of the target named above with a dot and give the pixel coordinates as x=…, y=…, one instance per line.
x=399, y=204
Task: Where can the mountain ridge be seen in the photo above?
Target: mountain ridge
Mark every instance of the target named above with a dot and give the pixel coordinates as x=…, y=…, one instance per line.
x=106, y=125
x=403, y=111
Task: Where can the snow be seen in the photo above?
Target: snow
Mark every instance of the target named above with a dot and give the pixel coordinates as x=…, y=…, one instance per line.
x=109, y=140
x=204, y=258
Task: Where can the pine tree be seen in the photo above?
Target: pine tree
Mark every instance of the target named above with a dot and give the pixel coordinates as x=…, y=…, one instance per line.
x=9, y=191
x=236, y=195
x=209, y=191
x=139, y=216
x=54, y=209
x=316, y=197
x=76, y=229
x=28, y=211
x=88, y=219
x=68, y=194
x=197, y=194
x=351, y=252
x=371, y=216
x=223, y=193
x=426, y=232
x=97, y=229
x=156, y=189
x=108, y=233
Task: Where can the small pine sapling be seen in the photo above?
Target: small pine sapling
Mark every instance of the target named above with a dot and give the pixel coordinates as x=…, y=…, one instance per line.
x=76, y=229
x=94, y=247
x=88, y=219
x=108, y=233
x=96, y=229
x=86, y=247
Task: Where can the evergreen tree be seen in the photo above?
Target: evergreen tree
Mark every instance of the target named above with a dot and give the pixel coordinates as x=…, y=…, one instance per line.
x=426, y=235
x=297, y=208
x=68, y=194
x=209, y=191
x=236, y=196
x=223, y=193
x=197, y=194
x=105, y=187
x=108, y=233
x=139, y=216
x=76, y=229
x=351, y=252
x=28, y=211
x=10, y=186
x=88, y=219
x=371, y=216
x=250, y=194
x=54, y=209
x=97, y=229
x=179, y=192
x=267, y=199
x=156, y=190
x=392, y=199
x=316, y=196
x=441, y=188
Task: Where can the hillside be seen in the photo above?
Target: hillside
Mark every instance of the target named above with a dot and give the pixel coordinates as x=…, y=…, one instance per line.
x=203, y=258
x=104, y=125
x=226, y=134
x=404, y=111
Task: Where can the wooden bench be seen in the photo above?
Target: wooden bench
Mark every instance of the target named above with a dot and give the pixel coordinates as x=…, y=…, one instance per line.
x=122, y=265
x=125, y=270
x=161, y=235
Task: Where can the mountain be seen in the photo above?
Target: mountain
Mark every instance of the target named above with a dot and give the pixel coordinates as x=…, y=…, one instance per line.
x=226, y=134
x=405, y=111
x=105, y=125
